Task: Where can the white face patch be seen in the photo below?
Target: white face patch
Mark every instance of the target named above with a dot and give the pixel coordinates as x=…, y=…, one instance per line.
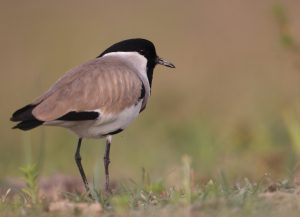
x=138, y=61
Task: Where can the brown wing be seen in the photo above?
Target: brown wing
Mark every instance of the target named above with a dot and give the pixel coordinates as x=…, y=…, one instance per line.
x=105, y=84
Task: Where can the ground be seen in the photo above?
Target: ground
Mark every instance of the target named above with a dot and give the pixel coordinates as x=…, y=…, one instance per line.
x=61, y=195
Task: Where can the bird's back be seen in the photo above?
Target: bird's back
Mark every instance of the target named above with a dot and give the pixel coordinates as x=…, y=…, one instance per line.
x=107, y=85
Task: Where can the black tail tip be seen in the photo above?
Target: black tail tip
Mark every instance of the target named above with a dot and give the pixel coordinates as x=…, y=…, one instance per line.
x=24, y=113
x=25, y=118
x=28, y=125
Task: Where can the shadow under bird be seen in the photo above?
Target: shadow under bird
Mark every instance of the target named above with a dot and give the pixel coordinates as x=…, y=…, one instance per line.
x=98, y=98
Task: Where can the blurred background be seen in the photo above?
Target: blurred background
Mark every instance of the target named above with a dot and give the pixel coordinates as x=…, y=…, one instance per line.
x=231, y=104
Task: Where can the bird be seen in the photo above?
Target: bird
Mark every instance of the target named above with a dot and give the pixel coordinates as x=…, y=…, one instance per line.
x=98, y=98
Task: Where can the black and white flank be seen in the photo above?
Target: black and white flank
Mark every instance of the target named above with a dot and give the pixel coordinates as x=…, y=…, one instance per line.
x=98, y=98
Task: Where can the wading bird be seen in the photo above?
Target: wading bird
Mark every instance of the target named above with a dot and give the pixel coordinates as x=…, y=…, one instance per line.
x=98, y=98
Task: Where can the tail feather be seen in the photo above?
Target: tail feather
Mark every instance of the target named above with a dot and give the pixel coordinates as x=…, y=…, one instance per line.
x=26, y=118
x=28, y=125
x=24, y=113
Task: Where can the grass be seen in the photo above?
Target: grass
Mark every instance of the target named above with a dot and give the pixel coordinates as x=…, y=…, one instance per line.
x=154, y=198
x=30, y=175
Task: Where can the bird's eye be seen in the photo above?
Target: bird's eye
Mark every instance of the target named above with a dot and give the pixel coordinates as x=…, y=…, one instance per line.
x=142, y=51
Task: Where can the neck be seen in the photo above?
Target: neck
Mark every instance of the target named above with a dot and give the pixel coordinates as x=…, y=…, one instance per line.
x=150, y=68
x=138, y=61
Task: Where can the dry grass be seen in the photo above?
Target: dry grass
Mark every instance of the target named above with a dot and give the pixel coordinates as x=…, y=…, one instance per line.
x=64, y=196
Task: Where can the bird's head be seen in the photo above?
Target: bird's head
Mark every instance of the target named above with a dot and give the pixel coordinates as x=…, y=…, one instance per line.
x=142, y=46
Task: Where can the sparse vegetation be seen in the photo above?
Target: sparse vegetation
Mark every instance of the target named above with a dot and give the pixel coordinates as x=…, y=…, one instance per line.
x=30, y=175
x=213, y=198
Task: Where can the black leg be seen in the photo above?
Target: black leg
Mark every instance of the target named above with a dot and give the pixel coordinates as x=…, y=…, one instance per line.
x=106, y=163
x=78, y=162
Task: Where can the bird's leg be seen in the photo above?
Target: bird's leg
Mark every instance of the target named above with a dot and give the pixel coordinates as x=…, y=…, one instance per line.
x=106, y=163
x=78, y=162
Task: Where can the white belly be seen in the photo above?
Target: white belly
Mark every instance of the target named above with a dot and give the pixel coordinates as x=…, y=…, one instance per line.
x=103, y=125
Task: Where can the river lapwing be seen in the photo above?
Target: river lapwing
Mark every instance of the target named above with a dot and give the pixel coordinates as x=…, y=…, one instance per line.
x=98, y=98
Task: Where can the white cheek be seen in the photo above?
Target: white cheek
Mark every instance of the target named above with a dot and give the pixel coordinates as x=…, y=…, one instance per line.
x=138, y=61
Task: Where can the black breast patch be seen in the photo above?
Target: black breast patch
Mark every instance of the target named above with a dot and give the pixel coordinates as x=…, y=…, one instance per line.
x=143, y=92
x=114, y=132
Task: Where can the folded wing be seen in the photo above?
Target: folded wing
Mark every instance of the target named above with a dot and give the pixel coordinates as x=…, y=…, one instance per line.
x=103, y=86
